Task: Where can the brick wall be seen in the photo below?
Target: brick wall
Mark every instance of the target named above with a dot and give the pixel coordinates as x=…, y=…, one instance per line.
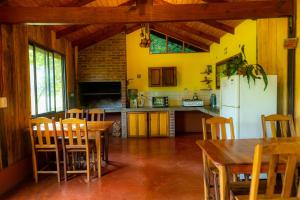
x=105, y=61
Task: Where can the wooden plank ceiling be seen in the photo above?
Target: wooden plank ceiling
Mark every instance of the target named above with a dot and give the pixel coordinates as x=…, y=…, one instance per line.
x=200, y=33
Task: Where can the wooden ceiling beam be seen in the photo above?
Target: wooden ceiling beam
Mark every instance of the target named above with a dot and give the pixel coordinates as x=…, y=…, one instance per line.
x=142, y=5
x=197, y=32
x=98, y=36
x=128, y=3
x=75, y=28
x=219, y=25
x=215, y=1
x=159, y=13
x=132, y=28
x=3, y=2
x=78, y=3
x=173, y=34
x=69, y=30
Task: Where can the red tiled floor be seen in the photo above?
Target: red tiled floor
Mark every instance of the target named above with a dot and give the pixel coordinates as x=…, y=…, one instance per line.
x=156, y=168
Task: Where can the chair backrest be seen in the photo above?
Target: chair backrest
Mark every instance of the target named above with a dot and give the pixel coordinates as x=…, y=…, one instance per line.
x=284, y=121
x=218, y=124
x=75, y=133
x=74, y=113
x=43, y=132
x=290, y=151
x=96, y=114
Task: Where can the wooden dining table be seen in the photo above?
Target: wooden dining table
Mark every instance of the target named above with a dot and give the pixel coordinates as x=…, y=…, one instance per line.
x=95, y=130
x=232, y=156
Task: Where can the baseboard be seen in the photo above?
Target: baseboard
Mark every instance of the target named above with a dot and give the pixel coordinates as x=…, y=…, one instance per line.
x=14, y=174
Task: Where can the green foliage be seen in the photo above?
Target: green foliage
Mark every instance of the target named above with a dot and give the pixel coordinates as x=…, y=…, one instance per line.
x=240, y=66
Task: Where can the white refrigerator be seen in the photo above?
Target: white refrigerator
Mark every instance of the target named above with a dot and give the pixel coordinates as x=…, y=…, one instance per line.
x=246, y=103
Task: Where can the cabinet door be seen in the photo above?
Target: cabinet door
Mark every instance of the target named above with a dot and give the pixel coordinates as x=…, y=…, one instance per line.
x=159, y=124
x=169, y=76
x=137, y=124
x=132, y=122
x=142, y=124
x=154, y=123
x=154, y=76
x=164, y=123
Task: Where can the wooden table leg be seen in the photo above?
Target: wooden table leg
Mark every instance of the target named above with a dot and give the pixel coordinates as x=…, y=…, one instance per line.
x=98, y=146
x=205, y=177
x=224, y=193
x=106, y=138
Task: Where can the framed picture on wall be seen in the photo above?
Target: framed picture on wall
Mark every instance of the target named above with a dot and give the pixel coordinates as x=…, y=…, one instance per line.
x=220, y=68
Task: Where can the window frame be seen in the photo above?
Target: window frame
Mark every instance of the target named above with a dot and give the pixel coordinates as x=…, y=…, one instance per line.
x=167, y=40
x=48, y=51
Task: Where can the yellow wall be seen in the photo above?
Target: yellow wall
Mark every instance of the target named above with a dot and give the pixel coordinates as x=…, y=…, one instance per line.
x=297, y=86
x=189, y=65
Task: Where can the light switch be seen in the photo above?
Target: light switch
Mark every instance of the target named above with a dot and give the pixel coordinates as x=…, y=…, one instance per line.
x=3, y=102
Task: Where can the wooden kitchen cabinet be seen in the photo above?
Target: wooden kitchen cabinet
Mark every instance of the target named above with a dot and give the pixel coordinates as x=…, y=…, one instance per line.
x=169, y=76
x=162, y=76
x=154, y=76
x=158, y=124
x=137, y=124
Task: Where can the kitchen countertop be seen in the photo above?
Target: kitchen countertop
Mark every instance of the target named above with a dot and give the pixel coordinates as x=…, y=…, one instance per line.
x=204, y=109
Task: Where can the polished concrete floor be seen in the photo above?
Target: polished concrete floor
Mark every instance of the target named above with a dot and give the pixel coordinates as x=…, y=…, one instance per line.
x=156, y=168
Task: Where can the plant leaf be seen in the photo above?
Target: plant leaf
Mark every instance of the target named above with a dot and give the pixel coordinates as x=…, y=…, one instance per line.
x=263, y=73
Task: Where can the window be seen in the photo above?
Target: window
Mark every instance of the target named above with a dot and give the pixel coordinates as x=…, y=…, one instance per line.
x=47, y=81
x=161, y=43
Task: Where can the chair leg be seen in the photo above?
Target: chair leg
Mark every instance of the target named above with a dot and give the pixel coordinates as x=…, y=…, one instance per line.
x=34, y=163
x=88, y=165
x=296, y=178
x=234, y=177
x=93, y=160
x=103, y=148
x=73, y=160
x=57, y=166
x=65, y=164
x=216, y=187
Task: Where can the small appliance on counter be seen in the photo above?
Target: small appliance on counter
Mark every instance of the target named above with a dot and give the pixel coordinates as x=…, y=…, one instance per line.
x=192, y=103
x=160, y=102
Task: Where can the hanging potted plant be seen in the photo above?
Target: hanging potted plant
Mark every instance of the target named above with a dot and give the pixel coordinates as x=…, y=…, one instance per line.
x=240, y=66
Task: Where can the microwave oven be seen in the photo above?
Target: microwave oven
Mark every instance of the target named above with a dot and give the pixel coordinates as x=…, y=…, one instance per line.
x=160, y=102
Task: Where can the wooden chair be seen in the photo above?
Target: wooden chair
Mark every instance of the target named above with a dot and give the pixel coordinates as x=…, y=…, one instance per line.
x=290, y=151
x=217, y=124
x=96, y=114
x=286, y=125
x=75, y=139
x=43, y=140
x=74, y=113
x=282, y=121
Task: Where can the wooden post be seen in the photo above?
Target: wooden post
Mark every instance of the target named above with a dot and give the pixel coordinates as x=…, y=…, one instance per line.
x=292, y=63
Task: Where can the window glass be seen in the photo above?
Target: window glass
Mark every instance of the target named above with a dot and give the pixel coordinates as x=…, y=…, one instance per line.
x=58, y=82
x=46, y=81
x=51, y=79
x=41, y=81
x=32, y=80
x=190, y=48
x=174, y=46
x=161, y=43
x=158, y=43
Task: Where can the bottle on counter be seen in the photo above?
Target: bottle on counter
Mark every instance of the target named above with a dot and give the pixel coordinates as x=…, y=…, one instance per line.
x=213, y=100
x=141, y=101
